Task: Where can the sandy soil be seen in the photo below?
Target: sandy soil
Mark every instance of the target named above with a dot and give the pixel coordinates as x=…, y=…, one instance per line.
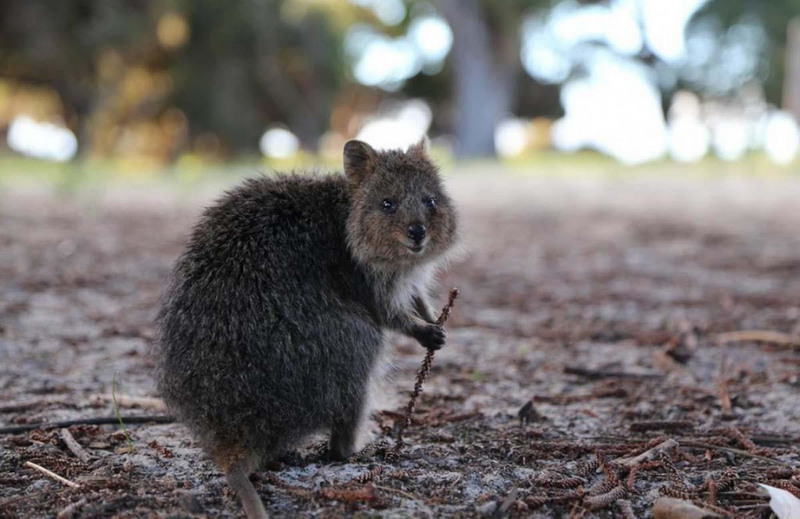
x=596, y=306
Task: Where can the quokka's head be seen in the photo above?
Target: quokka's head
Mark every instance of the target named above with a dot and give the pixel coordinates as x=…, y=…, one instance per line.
x=401, y=214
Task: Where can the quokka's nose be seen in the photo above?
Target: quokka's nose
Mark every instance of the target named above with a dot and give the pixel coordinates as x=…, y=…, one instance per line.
x=416, y=231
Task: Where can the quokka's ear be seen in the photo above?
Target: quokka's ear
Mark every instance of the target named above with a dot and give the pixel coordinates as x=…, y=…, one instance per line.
x=359, y=160
x=421, y=147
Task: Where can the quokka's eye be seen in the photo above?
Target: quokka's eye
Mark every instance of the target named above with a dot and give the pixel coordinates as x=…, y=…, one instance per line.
x=388, y=205
x=431, y=202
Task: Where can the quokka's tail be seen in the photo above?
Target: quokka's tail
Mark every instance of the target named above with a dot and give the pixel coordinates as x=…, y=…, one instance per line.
x=238, y=479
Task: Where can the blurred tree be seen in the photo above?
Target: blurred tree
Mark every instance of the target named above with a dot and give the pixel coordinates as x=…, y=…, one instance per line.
x=726, y=17
x=487, y=71
x=791, y=82
x=186, y=69
x=250, y=64
x=57, y=44
x=485, y=62
x=232, y=68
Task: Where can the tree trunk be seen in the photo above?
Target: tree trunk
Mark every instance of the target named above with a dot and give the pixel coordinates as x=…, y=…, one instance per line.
x=306, y=111
x=484, y=67
x=791, y=80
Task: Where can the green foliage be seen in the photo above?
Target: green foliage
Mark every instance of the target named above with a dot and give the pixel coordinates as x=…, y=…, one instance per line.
x=117, y=413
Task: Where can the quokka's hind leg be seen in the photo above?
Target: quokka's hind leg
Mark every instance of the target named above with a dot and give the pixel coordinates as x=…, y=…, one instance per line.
x=238, y=479
x=237, y=470
x=344, y=432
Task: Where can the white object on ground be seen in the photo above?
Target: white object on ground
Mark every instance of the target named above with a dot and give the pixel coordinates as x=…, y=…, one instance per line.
x=783, y=503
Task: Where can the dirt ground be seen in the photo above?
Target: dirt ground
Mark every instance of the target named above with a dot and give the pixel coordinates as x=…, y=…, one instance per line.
x=597, y=307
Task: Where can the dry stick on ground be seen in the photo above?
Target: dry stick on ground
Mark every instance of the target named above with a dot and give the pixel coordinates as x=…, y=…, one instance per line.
x=422, y=374
x=31, y=495
x=51, y=474
x=739, y=452
x=74, y=446
x=147, y=402
x=14, y=407
x=649, y=455
x=16, y=429
x=599, y=373
x=663, y=425
x=765, y=336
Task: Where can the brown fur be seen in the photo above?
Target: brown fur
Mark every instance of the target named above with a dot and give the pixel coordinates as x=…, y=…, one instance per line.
x=273, y=322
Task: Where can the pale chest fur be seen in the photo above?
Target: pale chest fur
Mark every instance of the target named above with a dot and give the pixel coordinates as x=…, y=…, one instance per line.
x=405, y=286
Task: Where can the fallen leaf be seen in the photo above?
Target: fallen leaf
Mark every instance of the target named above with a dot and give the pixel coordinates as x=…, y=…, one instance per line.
x=783, y=503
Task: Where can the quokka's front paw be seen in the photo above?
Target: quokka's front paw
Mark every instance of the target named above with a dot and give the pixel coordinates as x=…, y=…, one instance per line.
x=431, y=336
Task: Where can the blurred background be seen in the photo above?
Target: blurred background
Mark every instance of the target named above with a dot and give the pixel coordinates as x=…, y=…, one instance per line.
x=143, y=86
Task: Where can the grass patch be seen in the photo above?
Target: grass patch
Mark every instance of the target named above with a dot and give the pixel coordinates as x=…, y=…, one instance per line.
x=117, y=413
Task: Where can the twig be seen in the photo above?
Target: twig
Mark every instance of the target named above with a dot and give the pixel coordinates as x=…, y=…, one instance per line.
x=74, y=446
x=680, y=507
x=16, y=429
x=737, y=435
x=648, y=455
x=146, y=402
x=668, y=425
x=599, y=373
x=724, y=396
x=765, y=336
x=51, y=474
x=451, y=300
x=22, y=497
x=422, y=374
x=15, y=407
x=767, y=440
x=745, y=454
